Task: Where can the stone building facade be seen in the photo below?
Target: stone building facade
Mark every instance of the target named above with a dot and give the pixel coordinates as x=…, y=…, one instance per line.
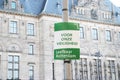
x=27, y=43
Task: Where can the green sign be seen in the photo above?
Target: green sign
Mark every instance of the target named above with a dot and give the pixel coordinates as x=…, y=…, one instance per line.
x=66, y=41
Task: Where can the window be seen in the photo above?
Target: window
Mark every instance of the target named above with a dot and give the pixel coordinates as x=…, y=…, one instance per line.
x=106, y=15
x=30, y=29
x=31, y=72
x=13, y=27
x=111, y=69
x=13, y=5
x=82, y=74
x=13, y=67
x=119, y=36
x=81, y=33
x=94, y=34
x=108, y=35
x=31, y=49
x=81, y=11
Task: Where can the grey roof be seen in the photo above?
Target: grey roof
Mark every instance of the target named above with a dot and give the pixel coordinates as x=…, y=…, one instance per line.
x=55, y=7
x=1, y=4
x=33, y=6
x=30, y=6
x=37, y=7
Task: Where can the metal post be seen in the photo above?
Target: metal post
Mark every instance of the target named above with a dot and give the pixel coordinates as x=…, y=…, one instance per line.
x=65, y=11
x=67, y=70
x=53, y=71
x=67, y=63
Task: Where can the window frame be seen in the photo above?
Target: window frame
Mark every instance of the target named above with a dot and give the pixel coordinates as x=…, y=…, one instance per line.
x=13, y=69
x=106, y=15
x=94, y=34
x=81, y=11
x=108, y=35
x=30, y=29
x=13, y=27
x=119, y=36
x=13, y=5
x=82, y=34
x=31, y=70
x=31, y=49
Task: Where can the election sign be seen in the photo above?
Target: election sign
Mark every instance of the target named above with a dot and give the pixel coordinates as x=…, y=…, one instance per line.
x=66, y=40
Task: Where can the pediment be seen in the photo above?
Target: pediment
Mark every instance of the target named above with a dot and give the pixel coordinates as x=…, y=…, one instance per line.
x=13, y=48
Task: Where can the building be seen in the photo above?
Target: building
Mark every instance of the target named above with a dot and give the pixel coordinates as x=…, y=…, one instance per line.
x=27, y=38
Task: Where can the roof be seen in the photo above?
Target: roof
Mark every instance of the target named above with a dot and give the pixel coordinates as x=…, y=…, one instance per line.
x=54, y=7
x=30, y=6
x=33, y=6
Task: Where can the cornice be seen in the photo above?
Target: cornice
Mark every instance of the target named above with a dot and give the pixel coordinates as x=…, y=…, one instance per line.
x=80, y=19
x=57, y=16
x=18, y=13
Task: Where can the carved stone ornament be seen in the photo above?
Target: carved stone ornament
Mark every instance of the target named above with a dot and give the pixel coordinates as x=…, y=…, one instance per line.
x=94, y=14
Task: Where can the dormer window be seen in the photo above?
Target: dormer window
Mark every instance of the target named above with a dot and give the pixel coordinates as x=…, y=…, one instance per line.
x=106, y=15
x=80, y=11
x=13, y=5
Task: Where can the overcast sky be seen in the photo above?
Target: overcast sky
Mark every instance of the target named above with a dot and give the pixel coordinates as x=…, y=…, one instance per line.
x=116, y=2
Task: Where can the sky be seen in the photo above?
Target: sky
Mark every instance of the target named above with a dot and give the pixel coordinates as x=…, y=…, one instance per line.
x=116, y=2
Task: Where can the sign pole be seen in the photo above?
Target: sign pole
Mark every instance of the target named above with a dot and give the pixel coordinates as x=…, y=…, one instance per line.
x=67, y=63
x=66, y=42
